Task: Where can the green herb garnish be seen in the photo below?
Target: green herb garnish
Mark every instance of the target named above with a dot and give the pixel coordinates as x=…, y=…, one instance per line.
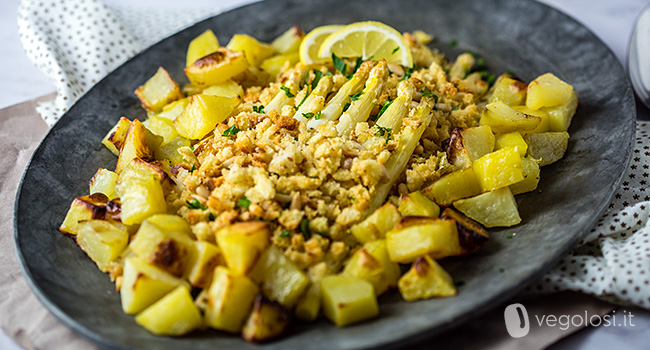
x=301, y=102
x=308, y=115
x=357, y=64
x=243, y=202
x=329, y=74
x=258, y=109
x=211, y=217
x=455, y=108
x=318, y=115
x=346, y=106
x=426, y=93
x=408, y=73
x=287, y=91
x=231, y=131
x=384, y=108
x=304, y=228
x=339, y=65
x=501, y=269
x=381, y=131
x=509, y=236
x=317, y=75
x=480, y=63
x=285, y=233
x=395, y=49
x=195, y=204
x=355, y=96
x=453, y=43
x=193, y=168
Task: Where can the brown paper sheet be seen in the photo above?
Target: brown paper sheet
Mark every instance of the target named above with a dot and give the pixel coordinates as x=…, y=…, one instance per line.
x=25, y=319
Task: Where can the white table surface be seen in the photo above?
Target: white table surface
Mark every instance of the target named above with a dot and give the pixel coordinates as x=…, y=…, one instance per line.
x=610, y=20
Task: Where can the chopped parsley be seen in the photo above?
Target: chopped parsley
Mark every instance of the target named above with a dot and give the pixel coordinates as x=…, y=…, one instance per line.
x=357, y=64
x=355, y=96
x=382, y=131
x=455, y=108
x=501, y=269
x=429, y=94
x=304, y=228
x=329, y=74
x=310, y=115
x=509, y=236
x=301, y=102
x=509, y=72
x=211, y=217
x=351, y=198
x=395, y=49
x=384, y=108
x=195, y=204
x=339, y=65
x=258, y=109
x=453, y=43
x=285, y=233
x=287, y=91
x=480, y=63
x=193, y=168
x=192, y=147
x=346, y=106
x=329, y=94
x=408, y=73
x=317, y=75
x=231, y=131
x=243, y=202
x=472, y=53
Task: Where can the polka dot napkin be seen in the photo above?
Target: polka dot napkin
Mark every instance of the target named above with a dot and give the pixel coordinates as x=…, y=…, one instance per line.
x=76, y=42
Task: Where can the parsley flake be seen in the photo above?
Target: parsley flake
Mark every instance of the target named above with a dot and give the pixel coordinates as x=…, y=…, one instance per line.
x=301, y=102
x=287, y=91
x=408, y=73
x=382, y=131
x=243, y=202
x=308, y=115
x=258, y=109
x=329, y=74
x=355, y=96
x=509, y=236
x=453, y=43
x=455, y=108
x=395, y=49
x=339, y=65
x=318, y=115
x=193, y=168
x=231, y=131
x=304, y=228
x=195, y=204
x=384, y=108
x=357, y=64
x=501, y=269
x=211, y=217
x=317, y=75
x=346, y=106
x=285, y=233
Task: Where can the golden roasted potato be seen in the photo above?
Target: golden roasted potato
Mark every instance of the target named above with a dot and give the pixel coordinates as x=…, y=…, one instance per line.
x=104, y=182
x=201, y=46
x=141, y=197
x=202, y=114
x=205, y=259
x=267, y=321
x=102, y=241
x=530, y=170
x=503, y=118
x=158, y=91
x=135, y=146
x=469, y=144
x=289, y=41
x=451, y=187
x=415, y=236
x=471, y=235
x=348, y=300
x=84, y=208
x=547, y=90
x=417, y=204
x=254, y=50
x=281, y=280
x=491, y=209
x=559, y=117
x=372, y=263
x=498, y=169
x=548, y=147
x=426, y=279
x=174, y=314
x=168, y=250
x=216, y=67
x=230, y=299
x=242, y=244
x=377, y=224
x=509, y=91
x=115, y=137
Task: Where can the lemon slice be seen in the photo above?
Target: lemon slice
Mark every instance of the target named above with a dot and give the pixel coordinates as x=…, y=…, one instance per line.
x=366, y=40
x=312, y=42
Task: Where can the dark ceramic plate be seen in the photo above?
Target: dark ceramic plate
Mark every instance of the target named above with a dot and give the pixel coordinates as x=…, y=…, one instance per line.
x=525, y=37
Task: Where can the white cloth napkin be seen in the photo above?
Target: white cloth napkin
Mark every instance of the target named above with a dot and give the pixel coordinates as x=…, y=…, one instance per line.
x=76, y=42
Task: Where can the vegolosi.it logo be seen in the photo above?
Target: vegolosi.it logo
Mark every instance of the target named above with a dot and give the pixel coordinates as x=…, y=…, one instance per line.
x=517, y=322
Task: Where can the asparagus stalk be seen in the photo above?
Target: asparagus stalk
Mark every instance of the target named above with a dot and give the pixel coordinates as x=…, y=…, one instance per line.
x=360, y=109
x=315, y=102
x=393, y=115
x=335, y=107
x=409, y=139
x=282, y=99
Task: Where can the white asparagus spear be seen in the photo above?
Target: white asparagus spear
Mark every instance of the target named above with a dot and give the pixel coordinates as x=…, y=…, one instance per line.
x=315, y=102
x=282, y=99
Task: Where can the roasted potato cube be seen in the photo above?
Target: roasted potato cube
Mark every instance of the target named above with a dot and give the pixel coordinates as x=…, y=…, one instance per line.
x=308, y=306
x=547, y=90
x=498, y=169
x=543, y=125
x=242, y=244
x=417, y=204
x=174, y=314
x=115, y=137
x=281, y=280
x=138, y=168
x=171, y=223
x=102, y=241
x=511, y=139
x=228, y=89
x=548, y=147
x=288, y=41
x=201, y=46
x=275, y=64
x=254, y=50
x=216, y=67
x=471, y=235
x=509, y=91
x=415, y=236
x=424, y=280
x=162, y=127
x=205, y=260
x=530, y=170
x=135, y=146
x=104, y=182
x=171, y=251
x=348, y=300
x=141, y=198
x=172, y=110
x=503, y=118
x=202, y=114
x=144, y=284
x=451, y=187
x=84, y=208
x=491, y=209
x=170, y=150
x=377, y=224
x=267, y=321
x=559, y=118
x=372, y=263
x=469, y=144
x=158, y=91
x=230, y=299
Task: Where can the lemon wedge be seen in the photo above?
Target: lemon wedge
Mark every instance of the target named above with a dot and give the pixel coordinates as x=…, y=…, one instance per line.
x=312, y=42
x=367, y=40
